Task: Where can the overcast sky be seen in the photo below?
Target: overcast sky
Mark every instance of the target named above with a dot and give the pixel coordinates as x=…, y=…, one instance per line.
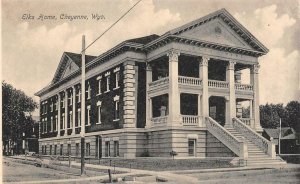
x=31, y=49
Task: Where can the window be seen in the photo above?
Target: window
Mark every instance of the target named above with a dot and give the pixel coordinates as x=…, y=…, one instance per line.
x=191, y=147
x=63, y=121
x=77, y=149
x=79, y=118
x=70, y=119
x=56, y=105
x=56, y=123
x=116, y=148
x=51, y=106
x=107, y=75
x=61, y=149
x=88, y=115
x=117, y=79
x=50, y=153
x=70, y=99
x=107, y=149
x=55, y=149
x=99, y=112
x=88, y=91
x=79, y=96
x=88, y=149
x=51, y=123
x=63, y=102
x=46, y=125
x=45, y=150
x=116, y=101
x=69, y=149
x=99, y=85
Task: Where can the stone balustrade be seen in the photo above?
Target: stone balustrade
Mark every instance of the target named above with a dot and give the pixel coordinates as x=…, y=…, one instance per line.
x=162, y=81
x=189, y=81
x=159, y=121
x=267, y=146
x=191, y=120
x=237, y=146
x=243, y=87
x=247, y=121
x=218, y=84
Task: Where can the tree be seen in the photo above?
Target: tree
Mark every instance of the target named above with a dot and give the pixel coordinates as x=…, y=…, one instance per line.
x=293, y=113
x=16, y=118
x=270, y=115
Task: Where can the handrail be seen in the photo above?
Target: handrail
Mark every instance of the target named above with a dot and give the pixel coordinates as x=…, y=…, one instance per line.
x=264, y=144
x=189, y=80
x=161, y=81
x=237, y=146
x=218, y=84
x=243, y=87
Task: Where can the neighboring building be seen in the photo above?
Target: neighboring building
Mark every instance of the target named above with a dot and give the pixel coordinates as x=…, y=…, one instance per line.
x=289, y=144
x=155, y=94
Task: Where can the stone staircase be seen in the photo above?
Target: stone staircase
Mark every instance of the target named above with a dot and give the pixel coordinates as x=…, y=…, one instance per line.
x=255, y=155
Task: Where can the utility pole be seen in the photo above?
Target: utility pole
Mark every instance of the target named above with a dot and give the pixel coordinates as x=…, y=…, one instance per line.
x=82, y=133
x=279, y=138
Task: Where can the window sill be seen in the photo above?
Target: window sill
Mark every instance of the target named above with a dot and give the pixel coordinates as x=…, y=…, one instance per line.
x=106, y=91
x=116, y=120
x=98, y=123
x=116, y=88
x=98, y=94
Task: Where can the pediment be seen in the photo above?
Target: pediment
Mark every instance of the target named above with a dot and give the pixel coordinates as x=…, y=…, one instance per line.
x=216, y=31
x=70, y=68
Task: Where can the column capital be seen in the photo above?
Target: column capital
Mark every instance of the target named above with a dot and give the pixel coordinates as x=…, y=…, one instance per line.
x=204, y=61
x=148, y=67
x=173, y=55
x=230, y=65
x=255, y=68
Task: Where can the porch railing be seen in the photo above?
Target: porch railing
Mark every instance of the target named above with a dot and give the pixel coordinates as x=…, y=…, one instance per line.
x=247, y=121
x=157, y=121
x=218, y=84
x=189, y=80
x=190, y=120
x=244, y=87
x=161, y=81
x=267, y=146
x=237, y=146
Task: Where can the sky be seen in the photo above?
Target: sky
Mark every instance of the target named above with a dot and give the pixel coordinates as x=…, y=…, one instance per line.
x=32, y=49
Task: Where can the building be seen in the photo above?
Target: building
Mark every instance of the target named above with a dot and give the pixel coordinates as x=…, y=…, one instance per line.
x=180, y=91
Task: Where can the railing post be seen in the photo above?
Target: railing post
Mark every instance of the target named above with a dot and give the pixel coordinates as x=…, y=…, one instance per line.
x=243, y=149
x=271, y=149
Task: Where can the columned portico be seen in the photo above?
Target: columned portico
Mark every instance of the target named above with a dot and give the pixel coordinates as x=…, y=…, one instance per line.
x=231, y=103
x=255, y=103
x=174, y=98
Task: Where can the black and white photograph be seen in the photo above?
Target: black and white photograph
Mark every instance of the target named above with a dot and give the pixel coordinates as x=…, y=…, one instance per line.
x=150, y=91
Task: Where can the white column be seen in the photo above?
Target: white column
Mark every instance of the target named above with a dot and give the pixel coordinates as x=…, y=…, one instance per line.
x=73, y=110
x=251, y=114
x=254, y=81
x=204, y=78
x=231, y=104
x=148, y=99
x=58, y=114
x=174, y=98
x=66, y=112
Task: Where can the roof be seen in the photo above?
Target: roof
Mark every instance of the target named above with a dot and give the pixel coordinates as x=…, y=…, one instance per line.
x=290, y=136
x=274, y=132
x=144, y=40
x=76, y=58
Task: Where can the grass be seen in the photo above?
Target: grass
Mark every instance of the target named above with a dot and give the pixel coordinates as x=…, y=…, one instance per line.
x=159, y=164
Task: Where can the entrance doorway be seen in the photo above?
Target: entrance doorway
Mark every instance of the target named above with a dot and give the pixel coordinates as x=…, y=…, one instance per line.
x=217, y=107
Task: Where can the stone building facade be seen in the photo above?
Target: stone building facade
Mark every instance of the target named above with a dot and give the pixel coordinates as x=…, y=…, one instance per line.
x=181, y=91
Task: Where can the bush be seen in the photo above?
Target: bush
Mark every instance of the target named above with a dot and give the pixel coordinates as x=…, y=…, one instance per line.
x=173, y=153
